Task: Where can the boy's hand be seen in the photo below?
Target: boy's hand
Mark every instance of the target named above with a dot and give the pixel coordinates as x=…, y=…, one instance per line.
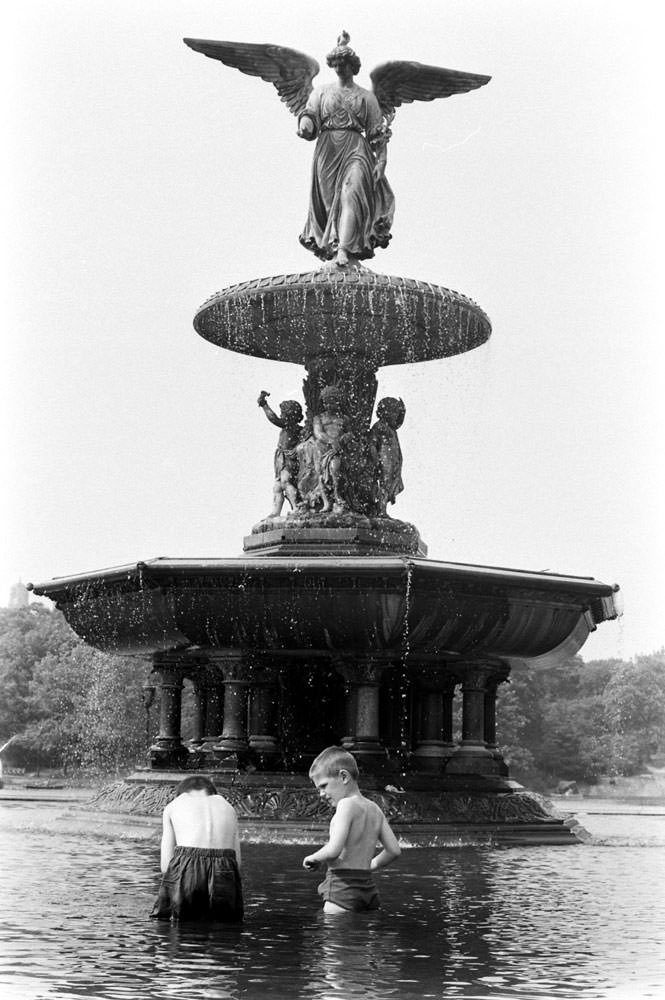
x=310, y=863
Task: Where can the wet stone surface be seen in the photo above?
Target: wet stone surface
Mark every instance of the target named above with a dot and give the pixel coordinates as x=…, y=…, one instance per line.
x=390, y=319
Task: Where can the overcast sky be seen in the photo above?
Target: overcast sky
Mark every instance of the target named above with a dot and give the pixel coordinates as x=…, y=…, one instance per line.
x=143, y=177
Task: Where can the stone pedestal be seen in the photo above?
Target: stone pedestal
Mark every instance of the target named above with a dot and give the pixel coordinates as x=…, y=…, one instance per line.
x=434, y=738
x=473, y=756
x=262, y=713
x=493, y=681
x=212, y=683
x=333, y=534
x=168, y=751
x=197, y=677
x=232, y=750
x=363, y=677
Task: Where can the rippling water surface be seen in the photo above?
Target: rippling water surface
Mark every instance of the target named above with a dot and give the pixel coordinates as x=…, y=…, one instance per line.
x=576, y=922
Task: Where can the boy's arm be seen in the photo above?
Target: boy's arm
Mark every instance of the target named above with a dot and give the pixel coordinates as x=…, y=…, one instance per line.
x=391, y=848
x=168, y=840
x=339, y=832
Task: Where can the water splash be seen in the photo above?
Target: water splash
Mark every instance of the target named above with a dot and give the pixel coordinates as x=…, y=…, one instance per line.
x=404, y=684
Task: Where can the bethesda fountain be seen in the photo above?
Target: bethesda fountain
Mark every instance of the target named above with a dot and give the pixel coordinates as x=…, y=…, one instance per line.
x=334, y=626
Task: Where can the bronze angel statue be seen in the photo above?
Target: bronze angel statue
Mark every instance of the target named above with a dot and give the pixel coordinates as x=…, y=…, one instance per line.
x=351, y=203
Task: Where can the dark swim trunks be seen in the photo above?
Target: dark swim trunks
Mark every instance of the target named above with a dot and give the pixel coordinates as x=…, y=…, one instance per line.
x=200, y=884
x=350, y=888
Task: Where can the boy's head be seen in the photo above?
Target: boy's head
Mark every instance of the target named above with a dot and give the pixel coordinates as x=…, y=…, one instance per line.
x=334, y=774
x=196, y=783
x=331, y=761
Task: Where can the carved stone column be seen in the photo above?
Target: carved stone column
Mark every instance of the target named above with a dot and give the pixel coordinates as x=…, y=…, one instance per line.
x=232, y=749
x=363, y=677
x=498, y=677
x=448, y=715
x=434, y=744
x=200, y=692
x=350, y=711
x=167, y=751
x=473, y=756
x=263, y=713
x=214, y=707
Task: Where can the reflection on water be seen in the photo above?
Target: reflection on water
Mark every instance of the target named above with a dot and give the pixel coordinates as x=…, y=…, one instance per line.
x=532, y=922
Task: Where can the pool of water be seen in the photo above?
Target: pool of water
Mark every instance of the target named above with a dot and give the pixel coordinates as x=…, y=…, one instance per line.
x=578, y=922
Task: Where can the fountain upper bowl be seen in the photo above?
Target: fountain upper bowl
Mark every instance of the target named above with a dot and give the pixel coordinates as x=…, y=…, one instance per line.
x=388, y=320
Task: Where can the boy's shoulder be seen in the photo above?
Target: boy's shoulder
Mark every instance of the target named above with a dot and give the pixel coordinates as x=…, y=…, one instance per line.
x=188, y=801
x=357, y=803
x=221, y=800
x=222, y=805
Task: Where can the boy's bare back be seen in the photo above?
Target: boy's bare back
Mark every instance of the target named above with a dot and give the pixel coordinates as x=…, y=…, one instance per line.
x=365, y=820
x=201, y=820
x=199, y=856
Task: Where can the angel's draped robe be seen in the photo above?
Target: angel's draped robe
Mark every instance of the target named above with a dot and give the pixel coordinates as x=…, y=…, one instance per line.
x=341, y=117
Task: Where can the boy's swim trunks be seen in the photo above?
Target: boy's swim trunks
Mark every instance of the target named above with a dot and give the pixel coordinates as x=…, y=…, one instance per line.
x=350, y=888
x=200, y=884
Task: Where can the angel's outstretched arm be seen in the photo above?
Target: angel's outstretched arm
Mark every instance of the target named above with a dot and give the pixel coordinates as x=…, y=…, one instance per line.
x=309, y=122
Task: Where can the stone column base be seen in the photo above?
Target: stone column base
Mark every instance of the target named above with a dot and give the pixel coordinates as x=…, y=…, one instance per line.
x=231, y=760
x=432, y=755
x=473, y=760
x=167, y=754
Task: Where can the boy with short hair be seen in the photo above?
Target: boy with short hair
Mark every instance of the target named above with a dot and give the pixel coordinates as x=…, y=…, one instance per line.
x=200, y=856
x=355, y=829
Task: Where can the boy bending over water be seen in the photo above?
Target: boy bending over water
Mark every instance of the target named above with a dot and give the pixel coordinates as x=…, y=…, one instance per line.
x=355, y=829
x=200, y=856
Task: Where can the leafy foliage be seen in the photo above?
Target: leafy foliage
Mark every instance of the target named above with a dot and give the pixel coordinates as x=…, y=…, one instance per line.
x=577, y=721
x=69, y=704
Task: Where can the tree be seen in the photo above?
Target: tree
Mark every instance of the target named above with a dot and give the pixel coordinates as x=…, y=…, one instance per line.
x=513, y=720
x=26, y=636
x=69, y=703
x=634, y=703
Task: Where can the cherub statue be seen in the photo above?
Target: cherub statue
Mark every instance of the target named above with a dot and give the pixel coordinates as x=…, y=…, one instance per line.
x=387, y=452
x=351, y=204
x=286, y=458
x=332, y=432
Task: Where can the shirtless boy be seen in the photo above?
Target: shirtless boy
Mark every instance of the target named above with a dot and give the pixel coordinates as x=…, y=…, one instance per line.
x=355, y=829
x=200, y=856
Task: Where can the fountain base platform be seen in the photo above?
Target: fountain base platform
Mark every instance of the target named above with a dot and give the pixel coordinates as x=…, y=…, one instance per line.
x=428, y=812
x=305, y=534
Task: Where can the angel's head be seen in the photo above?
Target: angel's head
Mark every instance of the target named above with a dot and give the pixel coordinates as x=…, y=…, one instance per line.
x=343, y=53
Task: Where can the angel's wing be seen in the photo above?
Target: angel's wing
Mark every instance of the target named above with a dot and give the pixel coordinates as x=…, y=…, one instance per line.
x=396, y=83
x=290, y=72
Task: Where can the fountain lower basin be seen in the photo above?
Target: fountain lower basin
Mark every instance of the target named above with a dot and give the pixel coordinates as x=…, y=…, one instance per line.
x=381, y=604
